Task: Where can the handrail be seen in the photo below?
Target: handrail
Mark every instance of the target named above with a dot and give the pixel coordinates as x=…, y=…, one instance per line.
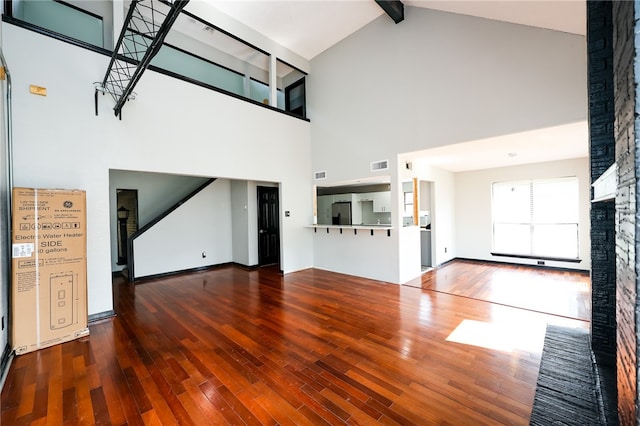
x=106, y=52
x=152, y=223
x=121, y=77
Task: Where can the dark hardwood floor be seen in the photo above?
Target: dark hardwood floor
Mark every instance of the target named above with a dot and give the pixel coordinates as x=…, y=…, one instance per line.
x=230, y=346
x=550, y=291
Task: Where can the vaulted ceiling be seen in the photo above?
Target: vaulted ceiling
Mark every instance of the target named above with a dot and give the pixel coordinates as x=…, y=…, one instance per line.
x=309, y=27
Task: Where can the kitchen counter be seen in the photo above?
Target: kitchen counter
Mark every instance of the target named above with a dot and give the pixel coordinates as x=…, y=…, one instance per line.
x=362, y=226
x=355, y=228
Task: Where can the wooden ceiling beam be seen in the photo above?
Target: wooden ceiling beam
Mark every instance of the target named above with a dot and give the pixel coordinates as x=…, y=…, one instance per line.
x=393, y=8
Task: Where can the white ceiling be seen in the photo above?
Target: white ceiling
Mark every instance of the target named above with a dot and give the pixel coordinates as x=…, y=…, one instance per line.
x=304, y=27
x=536, y=146
x=308, y=27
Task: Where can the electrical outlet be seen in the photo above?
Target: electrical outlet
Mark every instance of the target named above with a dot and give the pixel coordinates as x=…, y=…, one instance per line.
x=204, y=254
x=540, y=262
x=445, y=249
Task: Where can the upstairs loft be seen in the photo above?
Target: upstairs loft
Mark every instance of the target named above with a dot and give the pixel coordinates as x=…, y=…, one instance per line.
x=194, y=50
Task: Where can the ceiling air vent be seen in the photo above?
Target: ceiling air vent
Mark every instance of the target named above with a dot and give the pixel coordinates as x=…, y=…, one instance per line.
x=377, y=166
x=320, y=175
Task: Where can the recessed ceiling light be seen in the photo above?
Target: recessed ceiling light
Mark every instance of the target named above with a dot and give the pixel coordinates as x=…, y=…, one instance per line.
x=512, y=154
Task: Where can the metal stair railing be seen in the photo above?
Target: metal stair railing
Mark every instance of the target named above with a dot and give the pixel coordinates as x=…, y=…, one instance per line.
x=145, y=27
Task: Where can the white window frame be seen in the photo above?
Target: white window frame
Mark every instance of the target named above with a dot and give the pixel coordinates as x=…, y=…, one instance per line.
x=504, y=242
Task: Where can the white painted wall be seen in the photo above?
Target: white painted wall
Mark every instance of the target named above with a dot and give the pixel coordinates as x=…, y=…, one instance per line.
x=436, y=79
x=473, y=208
x=240, y=221
x=201, y=225
x=364, y=255
x=156, y=193
x=171, y=127
x=409, y=263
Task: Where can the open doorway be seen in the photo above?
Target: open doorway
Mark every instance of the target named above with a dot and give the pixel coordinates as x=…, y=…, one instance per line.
x=127, y=214
x=426, y=223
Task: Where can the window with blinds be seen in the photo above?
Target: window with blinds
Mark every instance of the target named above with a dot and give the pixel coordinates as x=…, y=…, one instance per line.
x=537, y=218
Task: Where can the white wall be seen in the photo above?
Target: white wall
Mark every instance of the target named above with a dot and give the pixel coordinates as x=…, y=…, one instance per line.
x=171, y=127
x=473, y=208
x=364, y=255
x=156, y=193
x=436, y=79
x=240, y=221
x=409, y=262
x=178, y=241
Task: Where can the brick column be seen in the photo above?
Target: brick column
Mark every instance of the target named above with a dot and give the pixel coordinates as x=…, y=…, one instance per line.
x=626, y=153
x=602, y=155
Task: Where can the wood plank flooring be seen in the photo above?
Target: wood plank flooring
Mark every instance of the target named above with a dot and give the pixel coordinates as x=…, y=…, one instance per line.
x=230, y=346
x=519, y=286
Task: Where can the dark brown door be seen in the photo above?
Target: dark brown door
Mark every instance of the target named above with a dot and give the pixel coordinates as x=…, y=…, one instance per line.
x=268, y=226
x=127, y=214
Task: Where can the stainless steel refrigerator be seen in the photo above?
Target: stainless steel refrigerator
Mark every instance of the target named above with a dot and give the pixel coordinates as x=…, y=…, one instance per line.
x=341, y=213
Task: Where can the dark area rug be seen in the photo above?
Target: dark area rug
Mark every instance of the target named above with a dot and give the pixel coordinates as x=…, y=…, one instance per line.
x=566, y=392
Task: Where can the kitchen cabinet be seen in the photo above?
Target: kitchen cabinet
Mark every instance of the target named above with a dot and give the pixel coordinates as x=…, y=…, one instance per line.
x=365, y=196
x=382, y=202
x=342, y=198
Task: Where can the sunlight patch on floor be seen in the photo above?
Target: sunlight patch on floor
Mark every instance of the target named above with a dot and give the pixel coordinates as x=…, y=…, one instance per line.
x=500, y=336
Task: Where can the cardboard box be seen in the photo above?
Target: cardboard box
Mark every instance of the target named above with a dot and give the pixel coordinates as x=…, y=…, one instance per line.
x=49, y=267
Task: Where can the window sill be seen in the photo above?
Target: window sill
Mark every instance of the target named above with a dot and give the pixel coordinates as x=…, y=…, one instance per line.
x=526, y=256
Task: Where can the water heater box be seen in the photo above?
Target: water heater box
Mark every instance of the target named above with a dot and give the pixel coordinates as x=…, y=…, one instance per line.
x=49, y=267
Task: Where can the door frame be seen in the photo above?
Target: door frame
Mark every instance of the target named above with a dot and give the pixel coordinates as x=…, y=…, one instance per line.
x=133, y=217
x=260, y=189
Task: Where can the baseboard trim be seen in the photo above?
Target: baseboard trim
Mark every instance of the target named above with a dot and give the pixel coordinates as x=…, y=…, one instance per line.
x=246, y=267
x=526, y=265
x=93, y=318
x=115, y=274
x=147, y=278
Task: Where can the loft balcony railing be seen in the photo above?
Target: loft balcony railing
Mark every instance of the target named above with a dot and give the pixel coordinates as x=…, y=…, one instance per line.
x=194, y=50
x=132, y=54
